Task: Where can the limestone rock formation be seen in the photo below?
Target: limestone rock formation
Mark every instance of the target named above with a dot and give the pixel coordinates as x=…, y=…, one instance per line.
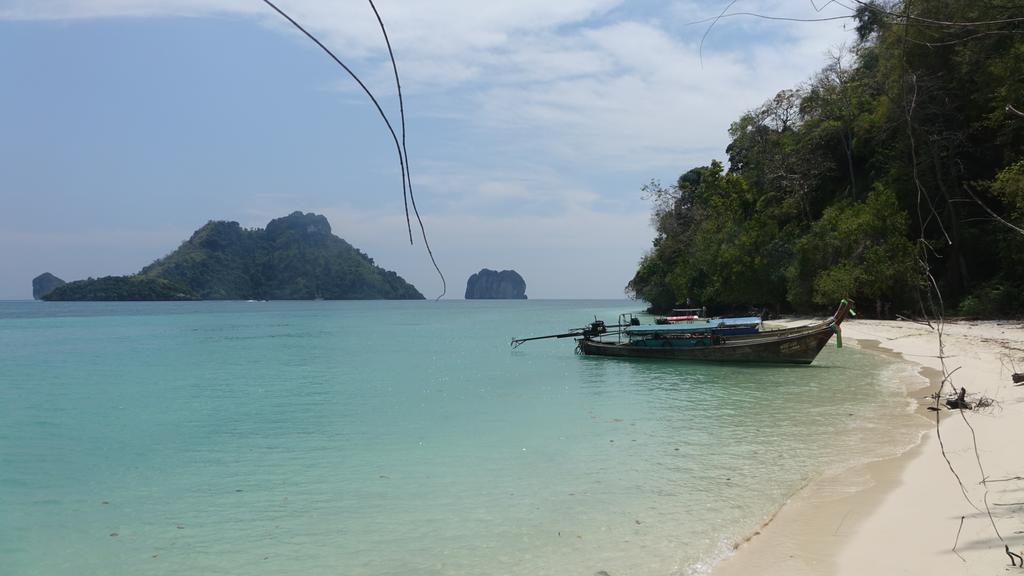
x=44, y=284
x=489, y=284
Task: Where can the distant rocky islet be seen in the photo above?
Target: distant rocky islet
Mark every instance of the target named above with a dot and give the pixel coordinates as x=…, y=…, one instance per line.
x=493, y=285
x=44, y=284
x=296, y=257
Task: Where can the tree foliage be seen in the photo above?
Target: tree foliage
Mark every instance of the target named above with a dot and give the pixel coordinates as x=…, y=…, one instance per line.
x=119, y=288
x=293, y=258
x=902, y=152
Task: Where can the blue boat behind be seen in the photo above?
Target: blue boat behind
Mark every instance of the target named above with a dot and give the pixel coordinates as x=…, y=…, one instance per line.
x=717, y=326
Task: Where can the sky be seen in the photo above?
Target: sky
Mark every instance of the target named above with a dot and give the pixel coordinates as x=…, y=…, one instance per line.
x=531, y=126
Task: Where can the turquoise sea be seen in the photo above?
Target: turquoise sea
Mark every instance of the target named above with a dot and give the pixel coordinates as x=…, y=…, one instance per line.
x=398, y=438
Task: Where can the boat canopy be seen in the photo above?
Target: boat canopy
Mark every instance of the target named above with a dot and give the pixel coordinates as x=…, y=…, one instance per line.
x=701, y=325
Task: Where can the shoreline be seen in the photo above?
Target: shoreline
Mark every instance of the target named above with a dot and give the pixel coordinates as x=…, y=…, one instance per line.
x=902, y=513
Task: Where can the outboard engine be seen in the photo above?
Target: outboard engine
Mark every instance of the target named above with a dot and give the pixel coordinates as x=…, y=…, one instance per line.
x=596, y=328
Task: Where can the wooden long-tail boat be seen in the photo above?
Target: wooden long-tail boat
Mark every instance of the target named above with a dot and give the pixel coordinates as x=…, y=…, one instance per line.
x=798, y=345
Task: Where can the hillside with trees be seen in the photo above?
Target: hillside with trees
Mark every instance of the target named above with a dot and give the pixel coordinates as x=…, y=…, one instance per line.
x=293, y=258
x=119, y=288
x=897, y=169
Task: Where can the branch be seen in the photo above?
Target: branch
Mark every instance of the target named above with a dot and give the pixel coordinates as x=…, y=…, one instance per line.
x=700, y=49
x=907, y=17
x=994, y=215
x=766, y=17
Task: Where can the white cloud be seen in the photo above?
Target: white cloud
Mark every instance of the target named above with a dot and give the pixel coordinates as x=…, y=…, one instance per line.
x=642, y=97
x=561, y=88
x=459, y=187
x=439, y=27
x=628, y=91
x=83, y=9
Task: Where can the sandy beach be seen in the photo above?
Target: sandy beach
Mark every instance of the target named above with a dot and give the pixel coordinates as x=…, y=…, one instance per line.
x=903, y=515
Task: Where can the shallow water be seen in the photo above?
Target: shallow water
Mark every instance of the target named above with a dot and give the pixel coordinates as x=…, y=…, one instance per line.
x=395, y=438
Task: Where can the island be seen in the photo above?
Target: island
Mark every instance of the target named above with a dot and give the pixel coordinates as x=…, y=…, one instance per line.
x=296, y=257
x=491, y=285
x=44, y=284
x=120, y=288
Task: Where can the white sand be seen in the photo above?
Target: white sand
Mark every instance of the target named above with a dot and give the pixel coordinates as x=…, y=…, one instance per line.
x=907, y=520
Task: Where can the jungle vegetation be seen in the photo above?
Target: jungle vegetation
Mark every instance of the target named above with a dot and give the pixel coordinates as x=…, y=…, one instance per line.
x=294, y=258
x=119, y=288
x=896, y=169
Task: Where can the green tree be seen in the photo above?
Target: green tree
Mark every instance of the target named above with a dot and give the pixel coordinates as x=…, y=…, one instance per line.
x=858, y=250
x=911, y=139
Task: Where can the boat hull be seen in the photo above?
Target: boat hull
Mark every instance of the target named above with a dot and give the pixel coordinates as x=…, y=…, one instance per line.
x=797, y=348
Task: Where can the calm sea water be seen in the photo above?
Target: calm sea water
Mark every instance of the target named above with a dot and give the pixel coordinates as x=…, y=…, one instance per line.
x=396, y=438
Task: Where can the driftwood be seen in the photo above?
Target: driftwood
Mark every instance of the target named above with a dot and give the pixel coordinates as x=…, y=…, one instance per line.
x=959, y=403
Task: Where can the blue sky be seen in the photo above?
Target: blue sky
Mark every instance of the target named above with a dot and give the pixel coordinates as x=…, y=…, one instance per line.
x=127, y=124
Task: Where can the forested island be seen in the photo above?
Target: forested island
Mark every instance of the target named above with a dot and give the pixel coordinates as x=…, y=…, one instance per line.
x=896, y=174
x=120, y=288
x=293, y=258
